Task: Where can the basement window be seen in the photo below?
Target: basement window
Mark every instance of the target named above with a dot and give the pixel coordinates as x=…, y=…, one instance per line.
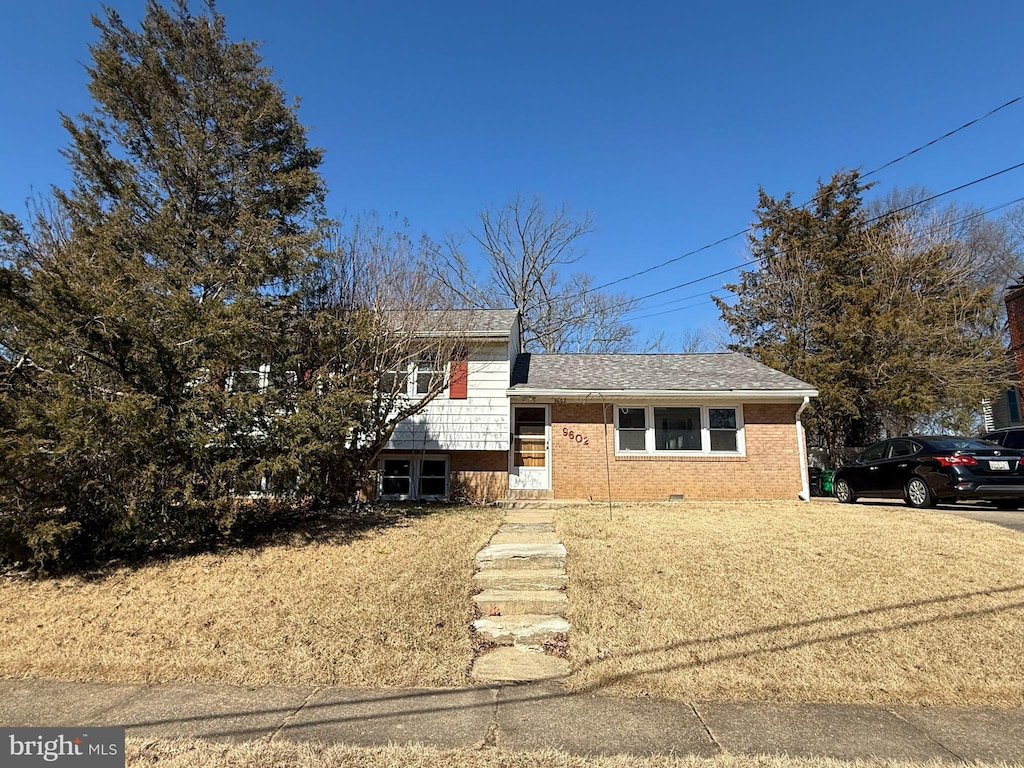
x=413, y=477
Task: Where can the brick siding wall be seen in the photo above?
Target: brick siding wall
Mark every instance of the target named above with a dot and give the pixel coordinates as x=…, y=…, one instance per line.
x=479, y=477
x=769, y=470
x=1015, y=322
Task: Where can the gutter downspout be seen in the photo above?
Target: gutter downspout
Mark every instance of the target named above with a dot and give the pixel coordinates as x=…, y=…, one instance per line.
x=801, y=444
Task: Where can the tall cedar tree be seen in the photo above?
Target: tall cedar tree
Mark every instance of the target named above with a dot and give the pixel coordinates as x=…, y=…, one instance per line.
x=132, y=303
x=896, y=331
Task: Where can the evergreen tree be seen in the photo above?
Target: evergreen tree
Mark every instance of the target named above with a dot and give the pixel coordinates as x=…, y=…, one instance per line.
x=167, y=271
x=897, y=331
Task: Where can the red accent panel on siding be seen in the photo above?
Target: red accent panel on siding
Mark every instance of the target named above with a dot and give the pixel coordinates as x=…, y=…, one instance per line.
x=458, y=388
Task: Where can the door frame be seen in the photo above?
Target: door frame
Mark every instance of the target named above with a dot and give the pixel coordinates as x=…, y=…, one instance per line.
x=513, y=472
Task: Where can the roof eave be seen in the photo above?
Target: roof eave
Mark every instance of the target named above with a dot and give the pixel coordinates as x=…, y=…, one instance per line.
x=467, y=335
x=746, y=395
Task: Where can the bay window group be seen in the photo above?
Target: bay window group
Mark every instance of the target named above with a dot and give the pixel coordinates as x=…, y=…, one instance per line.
x=678, y=429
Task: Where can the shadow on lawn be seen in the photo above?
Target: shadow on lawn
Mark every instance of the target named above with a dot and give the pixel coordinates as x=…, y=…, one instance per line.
x=256, y=525
x=371, y=706
x=767, y=644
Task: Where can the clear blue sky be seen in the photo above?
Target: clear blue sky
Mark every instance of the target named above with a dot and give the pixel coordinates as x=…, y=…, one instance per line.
x=660, y=118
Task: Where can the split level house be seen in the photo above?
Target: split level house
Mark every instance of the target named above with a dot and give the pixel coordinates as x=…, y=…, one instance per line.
x=625, y=427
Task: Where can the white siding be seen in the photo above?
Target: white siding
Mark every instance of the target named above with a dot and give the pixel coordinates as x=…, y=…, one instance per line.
x=478, y=423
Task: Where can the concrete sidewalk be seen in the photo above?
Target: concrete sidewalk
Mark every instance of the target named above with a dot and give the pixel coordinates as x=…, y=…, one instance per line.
x=519, y=717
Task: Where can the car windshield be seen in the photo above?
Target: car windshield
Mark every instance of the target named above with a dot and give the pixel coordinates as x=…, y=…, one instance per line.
x=961, y=444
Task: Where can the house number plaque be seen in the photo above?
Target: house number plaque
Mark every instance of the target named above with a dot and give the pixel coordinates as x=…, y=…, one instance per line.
x=575, y=437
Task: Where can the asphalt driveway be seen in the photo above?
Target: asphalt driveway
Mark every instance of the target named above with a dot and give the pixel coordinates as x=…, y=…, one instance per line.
x=979, y=511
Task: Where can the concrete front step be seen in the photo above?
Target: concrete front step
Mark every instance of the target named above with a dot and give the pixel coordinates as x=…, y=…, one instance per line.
x=528, y=495
x=521, y=579
x=512, y=664
x=511, y=556
x=528, y=517
x=541, y=526
x=506, y=602
x=524, y=629
x=525, y=537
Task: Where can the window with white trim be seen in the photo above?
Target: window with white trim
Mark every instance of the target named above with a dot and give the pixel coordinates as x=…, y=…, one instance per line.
x=395, y=478
x=413, y=477
x=631, y=429
x=429, y=374
x=395, y=382
x=414, y=379
x=679, y=429
x=249, y=379
x=433, y=478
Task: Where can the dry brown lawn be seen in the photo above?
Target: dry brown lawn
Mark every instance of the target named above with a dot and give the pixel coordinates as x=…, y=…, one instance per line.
x=795, y=602
x=389, y=607
x=278, y=754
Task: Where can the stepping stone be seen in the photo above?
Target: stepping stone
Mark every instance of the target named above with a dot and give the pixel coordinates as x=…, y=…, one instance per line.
x=513, y=664
x=524, y=629
x=542, y=601
x=520, y=579
x=527, y=528
x=524, y=537
x=521, y=556
x=527, y=517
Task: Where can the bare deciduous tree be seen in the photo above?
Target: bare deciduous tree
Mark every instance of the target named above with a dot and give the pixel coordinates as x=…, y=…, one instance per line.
x=381, y=325
x=524, y=246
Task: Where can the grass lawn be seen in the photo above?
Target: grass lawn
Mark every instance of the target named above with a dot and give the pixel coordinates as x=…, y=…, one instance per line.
x=386, y=607
x=199, y=754
x=787, y=601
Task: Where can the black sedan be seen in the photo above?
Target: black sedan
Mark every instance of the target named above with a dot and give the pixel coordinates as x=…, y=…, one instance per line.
x=925, y=470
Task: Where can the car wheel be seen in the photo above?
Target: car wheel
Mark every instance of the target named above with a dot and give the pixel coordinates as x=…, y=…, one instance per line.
x=844, y=493
x=919, y=495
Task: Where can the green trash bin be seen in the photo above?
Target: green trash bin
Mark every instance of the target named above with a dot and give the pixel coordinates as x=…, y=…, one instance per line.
x=826, y=481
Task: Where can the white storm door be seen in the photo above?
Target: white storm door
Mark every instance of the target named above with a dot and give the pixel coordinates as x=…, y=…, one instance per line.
x=530, y=462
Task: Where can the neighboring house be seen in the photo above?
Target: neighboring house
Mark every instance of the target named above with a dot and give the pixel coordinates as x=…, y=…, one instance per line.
x=590, y=426
x=1007, y=410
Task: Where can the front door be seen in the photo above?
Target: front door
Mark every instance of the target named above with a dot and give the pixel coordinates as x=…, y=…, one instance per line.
x=530, y=462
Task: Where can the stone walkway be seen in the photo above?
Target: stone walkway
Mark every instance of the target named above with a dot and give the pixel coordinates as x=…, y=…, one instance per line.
x=521, y=573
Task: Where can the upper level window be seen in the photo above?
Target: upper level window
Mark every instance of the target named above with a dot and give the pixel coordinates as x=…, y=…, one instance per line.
x=429, y=375
x=249, y=380
x=678, y=429
x=395, y=381
x=422, y=376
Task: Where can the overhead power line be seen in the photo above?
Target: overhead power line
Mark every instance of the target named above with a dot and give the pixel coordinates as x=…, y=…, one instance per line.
x=749, y=229
x=872, y=220
x=940, y=138
x=917, y=238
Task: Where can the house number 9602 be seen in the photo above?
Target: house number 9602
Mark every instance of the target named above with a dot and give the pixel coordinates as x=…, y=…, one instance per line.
x=575, y=437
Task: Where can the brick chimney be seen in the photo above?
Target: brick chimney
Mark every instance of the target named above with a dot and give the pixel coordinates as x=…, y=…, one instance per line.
x=1015, y=321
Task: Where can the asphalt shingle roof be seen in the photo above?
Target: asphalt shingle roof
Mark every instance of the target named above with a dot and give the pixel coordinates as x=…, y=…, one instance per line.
x=710, y=372
x=471, y=322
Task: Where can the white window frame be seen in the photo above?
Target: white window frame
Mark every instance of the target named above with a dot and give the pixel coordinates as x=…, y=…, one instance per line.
x=411, y=372
x=428, y=364
x=415, y=472
x=705, y=430
x=380, y=478
x=262, y=377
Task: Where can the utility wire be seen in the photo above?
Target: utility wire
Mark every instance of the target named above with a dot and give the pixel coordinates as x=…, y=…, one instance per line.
x=872, y=220
x=940, y=138
x=918, y=237
x=746, y=230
